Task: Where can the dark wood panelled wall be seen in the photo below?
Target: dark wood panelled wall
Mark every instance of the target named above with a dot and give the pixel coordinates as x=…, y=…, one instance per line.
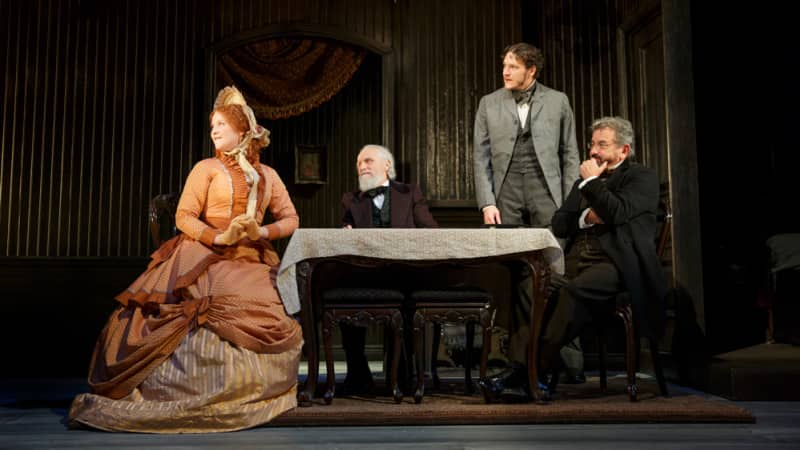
x=99, y=114
x=449, y=54
x=104, y=107
x=580, y=41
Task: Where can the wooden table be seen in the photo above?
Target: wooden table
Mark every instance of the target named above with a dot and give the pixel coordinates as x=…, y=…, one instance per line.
x=374, y=247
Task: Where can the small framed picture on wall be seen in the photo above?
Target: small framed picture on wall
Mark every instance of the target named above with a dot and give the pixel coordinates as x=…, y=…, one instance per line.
x=310, y=164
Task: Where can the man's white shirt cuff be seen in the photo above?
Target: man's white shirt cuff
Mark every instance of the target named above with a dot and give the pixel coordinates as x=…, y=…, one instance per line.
x=582, y=220
x=583, y=183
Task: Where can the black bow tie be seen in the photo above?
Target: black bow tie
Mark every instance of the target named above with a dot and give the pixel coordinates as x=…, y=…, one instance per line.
x=523, y=97
x=374, y=192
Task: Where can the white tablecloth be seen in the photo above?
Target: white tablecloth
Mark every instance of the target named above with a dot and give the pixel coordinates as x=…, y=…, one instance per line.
x=410, y=244
x=784, y=251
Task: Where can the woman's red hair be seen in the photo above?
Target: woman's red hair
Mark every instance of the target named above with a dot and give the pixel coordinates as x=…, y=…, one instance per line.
x=238, y=120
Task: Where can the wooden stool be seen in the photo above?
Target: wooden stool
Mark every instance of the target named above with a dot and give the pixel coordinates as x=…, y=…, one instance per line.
x=361, y=307
x=451, y=306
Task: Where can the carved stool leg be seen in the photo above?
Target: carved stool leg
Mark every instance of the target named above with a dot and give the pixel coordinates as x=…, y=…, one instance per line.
x=437, y=339
x=397, y=331
x=327, y=330
x=419, y=352
x=487, y=344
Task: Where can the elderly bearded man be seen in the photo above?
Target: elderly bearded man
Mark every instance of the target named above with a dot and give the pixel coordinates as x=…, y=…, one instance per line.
x=380, y=202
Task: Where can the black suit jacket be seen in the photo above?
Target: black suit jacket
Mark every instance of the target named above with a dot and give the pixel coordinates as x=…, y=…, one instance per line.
x=627, y=202
x=408, y=208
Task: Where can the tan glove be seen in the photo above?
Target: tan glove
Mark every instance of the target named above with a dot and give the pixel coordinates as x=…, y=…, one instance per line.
x=232, y=235
x=250, y=226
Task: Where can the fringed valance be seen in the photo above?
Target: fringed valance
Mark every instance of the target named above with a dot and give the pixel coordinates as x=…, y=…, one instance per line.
x=287, y=77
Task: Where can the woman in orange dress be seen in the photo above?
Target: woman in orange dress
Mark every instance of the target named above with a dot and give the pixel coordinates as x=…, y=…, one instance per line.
x=201, y=341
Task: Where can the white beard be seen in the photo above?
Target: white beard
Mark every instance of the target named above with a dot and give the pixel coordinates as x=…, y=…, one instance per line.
x=367, y=182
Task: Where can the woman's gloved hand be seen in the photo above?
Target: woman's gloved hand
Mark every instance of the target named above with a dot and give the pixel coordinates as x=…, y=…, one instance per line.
x=233, y=234
x=249, y=225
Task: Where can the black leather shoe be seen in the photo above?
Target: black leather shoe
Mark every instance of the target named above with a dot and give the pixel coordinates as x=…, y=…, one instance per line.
x=514, y=377
x=578, y=378
x=515, y=395
x=491, y=392
x=546, y=393
x=491, y=388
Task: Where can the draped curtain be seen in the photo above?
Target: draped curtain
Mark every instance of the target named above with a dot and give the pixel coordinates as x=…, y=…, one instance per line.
x=286, y=77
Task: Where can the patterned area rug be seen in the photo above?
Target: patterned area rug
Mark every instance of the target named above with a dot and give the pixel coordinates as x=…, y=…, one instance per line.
x=572, y=404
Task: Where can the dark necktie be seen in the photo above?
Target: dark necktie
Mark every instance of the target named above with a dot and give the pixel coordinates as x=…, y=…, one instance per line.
x=374, y=192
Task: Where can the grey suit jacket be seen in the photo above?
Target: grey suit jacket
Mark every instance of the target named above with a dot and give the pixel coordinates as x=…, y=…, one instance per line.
x=553, y=132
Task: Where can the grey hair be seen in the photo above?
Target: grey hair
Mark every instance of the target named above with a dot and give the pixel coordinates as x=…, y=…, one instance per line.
x=623, y=130
x=385, y=154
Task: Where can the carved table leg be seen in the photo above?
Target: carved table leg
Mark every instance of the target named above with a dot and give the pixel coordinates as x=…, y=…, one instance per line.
x=304, y=270
x=541, y=281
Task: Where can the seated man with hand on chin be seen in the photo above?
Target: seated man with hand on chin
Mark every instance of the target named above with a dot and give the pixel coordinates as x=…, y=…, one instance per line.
x=610, y=215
